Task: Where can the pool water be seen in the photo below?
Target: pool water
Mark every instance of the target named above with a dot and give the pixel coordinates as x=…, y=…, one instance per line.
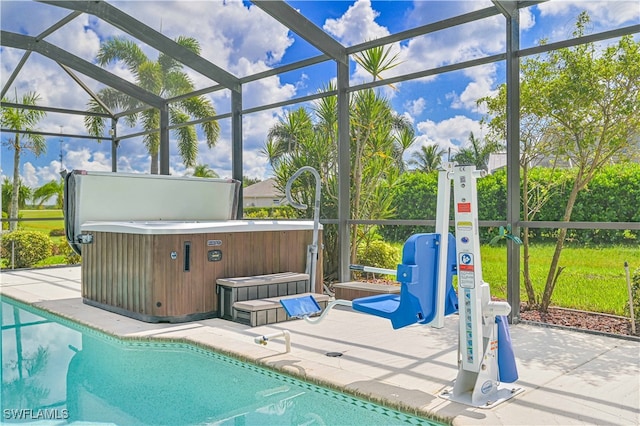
x=57, y=371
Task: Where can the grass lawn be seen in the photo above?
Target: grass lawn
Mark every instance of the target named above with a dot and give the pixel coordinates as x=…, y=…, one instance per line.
x=593, y=279
x=41, y=225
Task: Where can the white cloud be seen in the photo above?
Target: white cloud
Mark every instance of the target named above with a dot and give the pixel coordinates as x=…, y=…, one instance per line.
x=86, y=159
x=605, y=13
x=415, y=106
x=357, y=25
x=482, y=81
x=29, y=177
x=452, y=133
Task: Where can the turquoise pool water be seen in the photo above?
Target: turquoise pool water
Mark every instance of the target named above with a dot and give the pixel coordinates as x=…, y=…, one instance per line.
x=57, y=371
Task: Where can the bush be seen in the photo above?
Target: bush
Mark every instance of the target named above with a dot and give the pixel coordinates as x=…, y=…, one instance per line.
x=57, y=232
x=279, y=212
x=610, y=197
x=70, y=256
x=5, y=225
x=30, y=247
x=379, y=254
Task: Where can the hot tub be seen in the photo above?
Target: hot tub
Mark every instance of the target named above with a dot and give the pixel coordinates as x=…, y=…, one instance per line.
x=153, y=246
x=167, y=271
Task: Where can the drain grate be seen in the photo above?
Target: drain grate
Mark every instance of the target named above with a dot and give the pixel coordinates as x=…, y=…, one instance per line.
x=333, y=354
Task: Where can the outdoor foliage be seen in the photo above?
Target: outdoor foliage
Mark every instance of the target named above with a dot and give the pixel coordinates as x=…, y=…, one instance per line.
x=280, y=212
x=54, y=188
x=20, y=119
x=579, y=106
x=378, y=254
x=163, y=77
x=30, y=247
x=24, y=194
x=309, y=138
x=612, y=196
x=70, y=256
x=58, y=232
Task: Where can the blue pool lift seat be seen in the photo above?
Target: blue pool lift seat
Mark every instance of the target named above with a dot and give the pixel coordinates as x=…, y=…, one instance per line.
x=418, y=277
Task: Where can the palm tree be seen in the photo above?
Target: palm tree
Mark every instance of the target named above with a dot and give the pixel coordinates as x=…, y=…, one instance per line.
x=428, y=158
x=204, y=171
x=163, y=77
x=478, y=153
x=286, y=135
x=50, y=189
x=18, y=119
x=24, y=194
x=376, y=60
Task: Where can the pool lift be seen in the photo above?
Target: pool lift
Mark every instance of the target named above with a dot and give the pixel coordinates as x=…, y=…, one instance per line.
x=486, y=361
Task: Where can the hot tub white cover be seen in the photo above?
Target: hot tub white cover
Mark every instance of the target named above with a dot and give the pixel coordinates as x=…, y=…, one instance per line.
x=195, y=227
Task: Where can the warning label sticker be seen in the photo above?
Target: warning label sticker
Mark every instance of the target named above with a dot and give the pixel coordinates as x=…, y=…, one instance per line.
x=464, y=207
x=466, y=279
x=464, y=225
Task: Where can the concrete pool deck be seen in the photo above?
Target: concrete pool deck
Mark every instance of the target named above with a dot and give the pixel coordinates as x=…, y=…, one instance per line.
x=568, y=377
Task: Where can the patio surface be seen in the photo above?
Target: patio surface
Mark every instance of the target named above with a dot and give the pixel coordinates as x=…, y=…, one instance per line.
x=568, y=377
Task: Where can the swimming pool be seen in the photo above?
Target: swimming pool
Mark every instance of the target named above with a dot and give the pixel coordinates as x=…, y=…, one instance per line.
x=54, y=369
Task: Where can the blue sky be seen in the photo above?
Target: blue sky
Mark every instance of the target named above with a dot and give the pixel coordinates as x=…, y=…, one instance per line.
x=242, y=39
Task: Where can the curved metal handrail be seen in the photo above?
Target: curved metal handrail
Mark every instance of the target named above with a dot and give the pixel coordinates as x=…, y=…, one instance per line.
x=313, y=252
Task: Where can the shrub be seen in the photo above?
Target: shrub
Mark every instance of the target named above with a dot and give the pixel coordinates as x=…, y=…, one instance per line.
x=59, y=232
x=70, y=256
x=278, y=212
x=30, y=247
x=379, y=254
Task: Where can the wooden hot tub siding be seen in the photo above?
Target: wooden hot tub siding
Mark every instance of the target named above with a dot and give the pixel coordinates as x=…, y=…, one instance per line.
x=133, y=274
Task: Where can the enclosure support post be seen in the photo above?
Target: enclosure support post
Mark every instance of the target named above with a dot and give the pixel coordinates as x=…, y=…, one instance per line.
x=513, y=161
x=236, y=143
x=114, y=145
x=344, y=171
x=164, y=140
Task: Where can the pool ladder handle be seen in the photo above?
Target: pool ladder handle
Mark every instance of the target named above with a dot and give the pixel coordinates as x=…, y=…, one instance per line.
x=263, y=340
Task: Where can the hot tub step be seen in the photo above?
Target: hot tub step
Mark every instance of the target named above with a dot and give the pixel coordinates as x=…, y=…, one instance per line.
x=268, y=311
x=241, y=289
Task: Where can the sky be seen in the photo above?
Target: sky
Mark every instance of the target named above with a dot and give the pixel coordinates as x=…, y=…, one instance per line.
x=242, y=39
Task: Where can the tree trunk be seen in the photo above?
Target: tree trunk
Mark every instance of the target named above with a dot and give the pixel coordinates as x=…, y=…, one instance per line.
x=154, y=163
x=551, y=281
x=528, y=285
x=15, y=194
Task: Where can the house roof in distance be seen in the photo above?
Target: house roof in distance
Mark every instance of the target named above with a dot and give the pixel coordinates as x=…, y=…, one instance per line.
x=266, y=188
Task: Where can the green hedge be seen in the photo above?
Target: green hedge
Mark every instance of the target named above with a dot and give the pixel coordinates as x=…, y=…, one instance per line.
x=280, y=212
x=612, y=196
x=30, y=247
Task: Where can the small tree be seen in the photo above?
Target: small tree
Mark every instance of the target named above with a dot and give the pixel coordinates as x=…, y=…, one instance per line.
x=21, y=119
x=163, y=77
x=592, y=101
x=204, y=171
x=54, y=188
x=478, y=152
x=427, y=159
x=578, y=105
x=24, y=194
